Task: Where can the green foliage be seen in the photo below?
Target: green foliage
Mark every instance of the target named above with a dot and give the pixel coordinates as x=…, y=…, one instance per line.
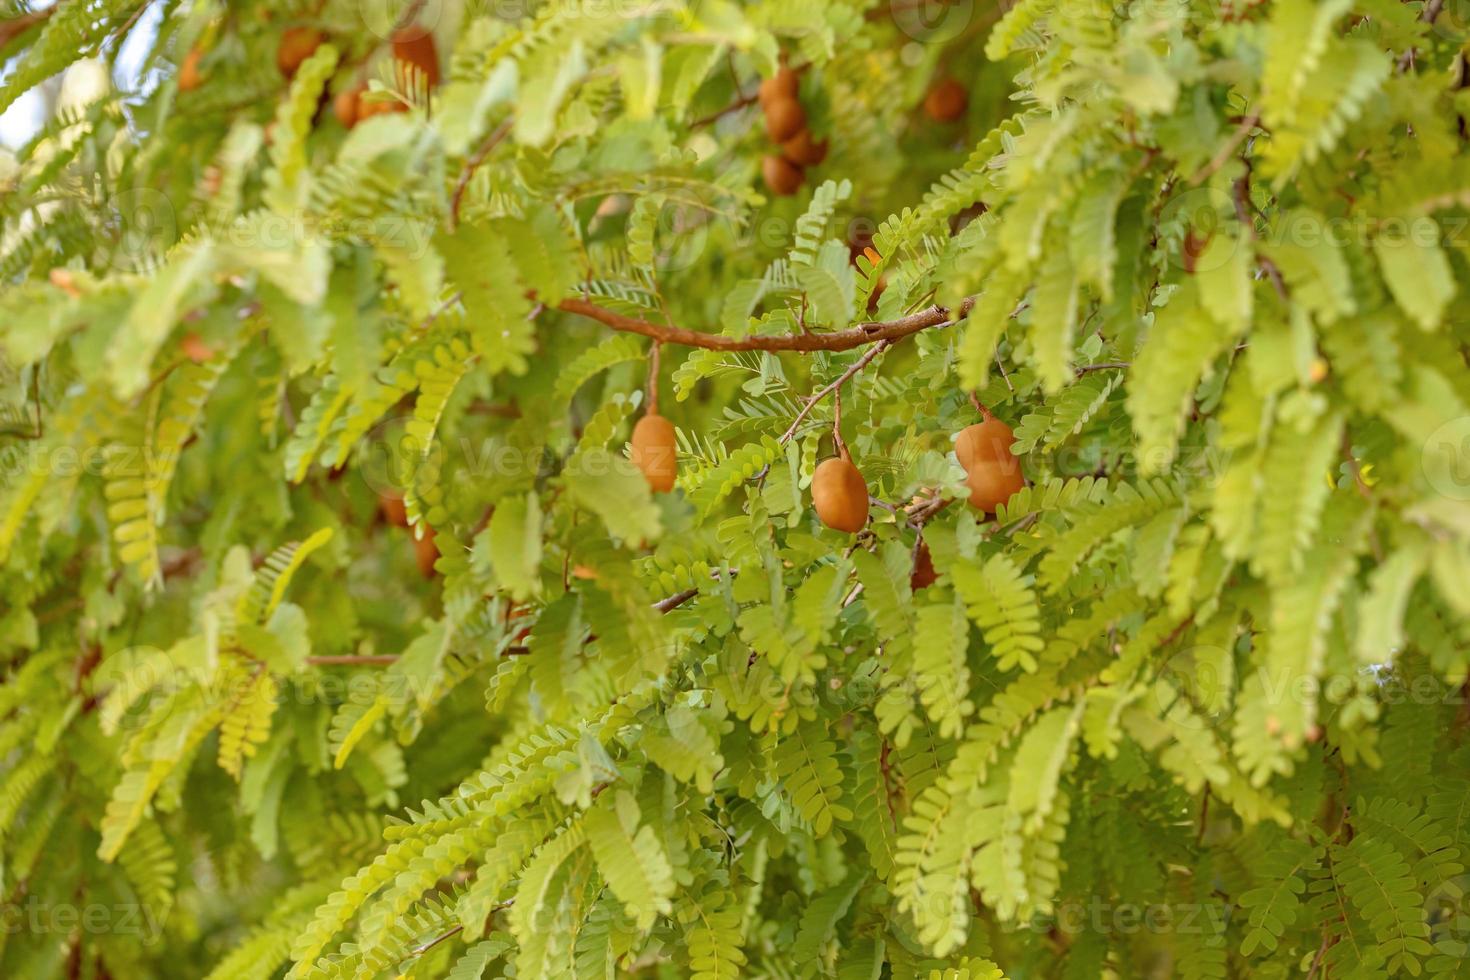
x=1205, y=672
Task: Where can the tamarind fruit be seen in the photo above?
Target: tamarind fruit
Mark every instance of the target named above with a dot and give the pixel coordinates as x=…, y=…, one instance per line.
x=426, y=552
x=840, y=495
x=803, y=151
x=346, y=107
x=782, y=176
x=416, y=46
x=297, y=44
x=192, y=346
x=946, y=101
x=393, y=509
x=190, y=77
x=923, y=574
x=990, y=439
x=784, y=119
x=366, y=109
x=992, y=472
x=993, y=482
x=782, y=85
x=654, y=452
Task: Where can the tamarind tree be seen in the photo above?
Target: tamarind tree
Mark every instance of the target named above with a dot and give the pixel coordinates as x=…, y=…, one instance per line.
x=343, y=635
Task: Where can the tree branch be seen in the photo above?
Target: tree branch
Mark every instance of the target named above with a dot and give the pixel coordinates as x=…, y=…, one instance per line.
x=16, y=26
x=863, y=333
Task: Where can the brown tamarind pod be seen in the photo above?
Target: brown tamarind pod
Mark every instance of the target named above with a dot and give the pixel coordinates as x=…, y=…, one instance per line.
x=190, y=77
x=993, y=481
x=426, y=552
x=923, y=574
x=782, y=85
x=946, y=101
x=783, y=177
x=297, y=44
x=393, y=509
x=345, y=106
x=655, y=453
x=784, y=119
x=802, y=150
x=416, y=46
x=840, y=495
x=367, y=109
x=194, y=347
x=991, y=439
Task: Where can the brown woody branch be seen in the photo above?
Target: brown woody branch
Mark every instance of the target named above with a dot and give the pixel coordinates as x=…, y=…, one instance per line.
x=863, y=333
x=16, y=26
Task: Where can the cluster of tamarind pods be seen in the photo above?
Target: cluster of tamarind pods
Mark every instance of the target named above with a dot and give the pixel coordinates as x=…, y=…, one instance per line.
x=839, y=492
x=411, y=45
x=786, y=125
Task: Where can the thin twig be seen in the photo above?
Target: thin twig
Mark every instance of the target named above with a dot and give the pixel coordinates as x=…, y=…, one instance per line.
x=653, y=359
x=1103, y=366
x=735, y=106
x=1240, y=191
x=1004, y=375
x=1228, y=150
x=471, y=165
x=816, y=398
x=1428, y=15
x=837, y=424
x=675, y=601
x=421, y=950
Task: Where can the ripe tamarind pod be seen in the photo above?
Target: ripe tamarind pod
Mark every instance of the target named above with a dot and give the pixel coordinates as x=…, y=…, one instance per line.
x=782, y=85
x=803, y=151
x=193, y=346
x=946, y=101
x=991, y=439
x=923, y=574
x=426, y=552
x=416, y=46
x=190, y=77
x=993, y=481
x=394, y=511
x=784, y=119
x=345, y=106
x=366, y=109
x=840, y=495
x=783, y=177
x=297, y=44
x=654, y=452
